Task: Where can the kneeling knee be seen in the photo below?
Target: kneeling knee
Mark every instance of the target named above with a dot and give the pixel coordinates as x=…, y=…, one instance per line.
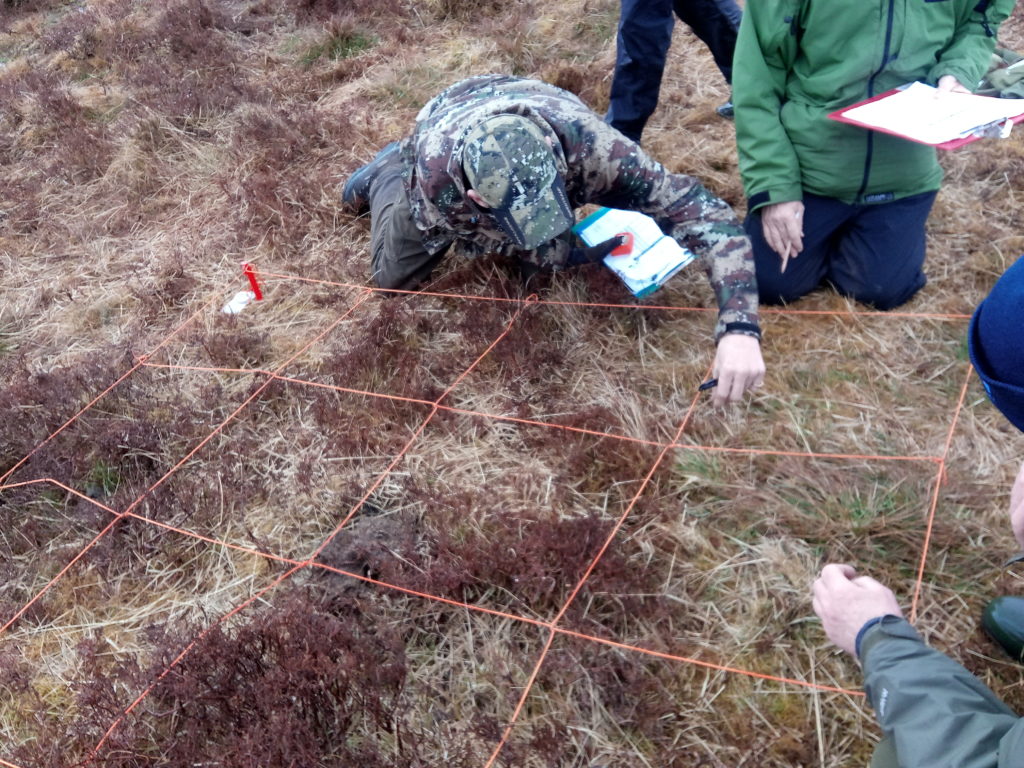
x=776, y=295
x=388, y=282
x=882, y=302
x=885, y=298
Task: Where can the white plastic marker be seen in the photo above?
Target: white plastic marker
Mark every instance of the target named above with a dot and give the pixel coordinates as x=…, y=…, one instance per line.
x=241, y=299
x=238, y=302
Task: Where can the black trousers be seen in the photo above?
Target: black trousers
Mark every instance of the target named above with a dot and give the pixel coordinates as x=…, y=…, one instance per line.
x=645, y=33
x=871, y=253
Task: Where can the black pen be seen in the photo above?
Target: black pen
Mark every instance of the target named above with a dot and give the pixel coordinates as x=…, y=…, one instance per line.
x=707, y=385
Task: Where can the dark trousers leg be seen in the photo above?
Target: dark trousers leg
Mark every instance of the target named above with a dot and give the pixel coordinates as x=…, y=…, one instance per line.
x=397, y=256
x=881, y=253
x=823, y=217
x=716, y=23
x=871, y=253
x=645, y=33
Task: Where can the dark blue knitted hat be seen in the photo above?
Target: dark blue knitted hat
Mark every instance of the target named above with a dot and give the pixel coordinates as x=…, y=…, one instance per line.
x=995, y=342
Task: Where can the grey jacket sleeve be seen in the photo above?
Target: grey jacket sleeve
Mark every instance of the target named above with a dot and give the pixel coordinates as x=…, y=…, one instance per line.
x=937, y=713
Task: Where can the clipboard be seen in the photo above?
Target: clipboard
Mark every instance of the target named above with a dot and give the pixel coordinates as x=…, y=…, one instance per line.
x=958, y=120
x=646, y=259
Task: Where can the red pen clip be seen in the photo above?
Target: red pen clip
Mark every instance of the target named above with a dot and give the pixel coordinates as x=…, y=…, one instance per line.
x=626, y=247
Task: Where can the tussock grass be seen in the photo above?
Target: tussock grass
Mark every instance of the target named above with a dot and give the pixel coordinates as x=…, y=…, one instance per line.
x=148, y=151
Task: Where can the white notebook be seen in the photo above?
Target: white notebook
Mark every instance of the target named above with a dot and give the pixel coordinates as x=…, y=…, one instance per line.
x=653, y=258
x=920, y=113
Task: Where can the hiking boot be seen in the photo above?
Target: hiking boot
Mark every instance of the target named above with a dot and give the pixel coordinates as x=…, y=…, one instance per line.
x=1003, y=619
x=356, y=192
x=725, y=110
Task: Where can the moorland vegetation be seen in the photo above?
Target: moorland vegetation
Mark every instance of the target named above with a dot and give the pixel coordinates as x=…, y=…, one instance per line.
x=469, y=527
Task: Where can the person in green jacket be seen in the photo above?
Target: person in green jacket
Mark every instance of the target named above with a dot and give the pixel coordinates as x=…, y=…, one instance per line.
x=933, y=712
x=827, y=201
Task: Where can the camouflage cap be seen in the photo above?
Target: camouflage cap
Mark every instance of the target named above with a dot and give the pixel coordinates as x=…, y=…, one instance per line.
x=510, y=164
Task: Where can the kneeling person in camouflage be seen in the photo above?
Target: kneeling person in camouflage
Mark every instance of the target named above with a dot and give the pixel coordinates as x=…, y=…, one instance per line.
x=500, y=163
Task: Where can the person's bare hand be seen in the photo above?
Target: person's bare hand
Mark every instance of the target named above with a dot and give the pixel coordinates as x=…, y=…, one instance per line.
x=949, y=84
x=783, y=227
x=738, y=368
x=1017, y=507
x=845, y=602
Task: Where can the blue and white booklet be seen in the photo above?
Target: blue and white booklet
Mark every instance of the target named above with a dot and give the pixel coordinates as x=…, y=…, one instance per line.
x=653, y=258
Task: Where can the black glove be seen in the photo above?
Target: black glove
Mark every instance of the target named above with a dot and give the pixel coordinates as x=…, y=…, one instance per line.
x=593, y=253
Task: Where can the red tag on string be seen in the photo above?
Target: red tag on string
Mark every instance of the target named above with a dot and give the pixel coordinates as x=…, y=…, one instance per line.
x=251, y=274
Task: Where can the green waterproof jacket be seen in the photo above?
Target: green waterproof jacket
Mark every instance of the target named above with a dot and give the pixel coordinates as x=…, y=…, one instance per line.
x=937, y=714
x=798, y=60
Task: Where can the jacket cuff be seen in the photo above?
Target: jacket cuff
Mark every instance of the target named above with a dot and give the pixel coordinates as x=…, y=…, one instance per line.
x=964, y=78
x=860, y=635
x=785, y=194
x=878, y=629
x=737, y=321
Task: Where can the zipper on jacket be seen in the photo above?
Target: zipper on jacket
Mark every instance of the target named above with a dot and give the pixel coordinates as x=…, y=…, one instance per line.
x=871, y=92
x=982, y=8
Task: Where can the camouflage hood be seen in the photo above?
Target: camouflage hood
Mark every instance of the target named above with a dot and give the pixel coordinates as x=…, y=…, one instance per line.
x=596, y=164
x=437, y=150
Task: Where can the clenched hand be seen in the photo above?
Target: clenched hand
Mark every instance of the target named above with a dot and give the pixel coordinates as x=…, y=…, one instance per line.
x=845, y=602
x=783, y=227
x=738, y=367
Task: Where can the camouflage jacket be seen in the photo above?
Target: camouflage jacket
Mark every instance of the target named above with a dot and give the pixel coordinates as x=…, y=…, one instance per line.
x=599, y=166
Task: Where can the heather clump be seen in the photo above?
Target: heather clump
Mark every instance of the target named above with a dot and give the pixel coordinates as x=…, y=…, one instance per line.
x=465, y=11
x=294, y=685
x=50, y=126
x=329, y=10
x=308, y=679
x=394, y=350
x=279, y=173
x=468, y=564
x=42, y=401
x=171, y=287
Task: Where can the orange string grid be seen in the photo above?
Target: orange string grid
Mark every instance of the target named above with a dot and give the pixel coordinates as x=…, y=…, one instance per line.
x=139, y=699
x=548, y=424
x=551, y=627
x=935, y=499
x=109, y=389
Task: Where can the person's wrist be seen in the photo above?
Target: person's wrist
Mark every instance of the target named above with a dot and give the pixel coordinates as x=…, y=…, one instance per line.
x=864, y=629
x=744, y=328
x=729, y=315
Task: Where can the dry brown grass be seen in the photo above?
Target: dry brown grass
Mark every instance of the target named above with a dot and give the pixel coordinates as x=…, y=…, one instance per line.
x=146, y=153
